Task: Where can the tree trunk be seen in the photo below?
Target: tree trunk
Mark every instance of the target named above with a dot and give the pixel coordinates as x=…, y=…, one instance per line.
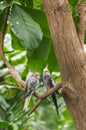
x=71, y=58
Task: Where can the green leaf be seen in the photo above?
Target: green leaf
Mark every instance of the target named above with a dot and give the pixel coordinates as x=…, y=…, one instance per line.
x=73, y=6
x=29, y=3
x=25, y=28
x=14, y=126
x=52, y=60
x=4, y=124
x=37, y=3
x=10, y=80
x=3, y=103
x=66, y=113
x=25, y=71
x=18, y=59
x=73, y=2
x=85, y=38
x=16, y=42
x=4, y=4
x=40, y=55
x=26, y=3
x=40, y=17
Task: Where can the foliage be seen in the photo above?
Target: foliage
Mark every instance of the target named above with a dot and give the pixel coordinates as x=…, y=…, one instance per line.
x=27, y=33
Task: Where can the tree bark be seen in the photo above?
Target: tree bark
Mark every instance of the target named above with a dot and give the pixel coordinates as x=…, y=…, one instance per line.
x=71, y=58
x=82, y=21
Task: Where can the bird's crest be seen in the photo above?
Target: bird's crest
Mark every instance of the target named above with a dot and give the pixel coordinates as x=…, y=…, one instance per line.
x=46, y=70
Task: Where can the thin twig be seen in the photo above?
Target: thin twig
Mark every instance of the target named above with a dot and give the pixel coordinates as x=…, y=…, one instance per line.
x=44, y=95
x=8, y=51
x=18, y=88
x=35, y=107
x=4, y=73
x=12, y=86
x=12, y=72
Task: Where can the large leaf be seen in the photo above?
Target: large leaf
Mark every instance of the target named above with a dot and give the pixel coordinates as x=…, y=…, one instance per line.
x=42, y=56
x=4, y=4
x=39, y=56
x=16, y=42
x=40, y=17
x=29, y=3
x=25, y=28
x=18, y=59
x=52, y=61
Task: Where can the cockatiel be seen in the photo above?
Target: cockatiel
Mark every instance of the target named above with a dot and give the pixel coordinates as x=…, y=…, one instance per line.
x=31, y=86
x=49, y=82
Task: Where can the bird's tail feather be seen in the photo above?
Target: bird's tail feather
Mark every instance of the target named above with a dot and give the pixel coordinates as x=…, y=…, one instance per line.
x=55, y=102
x=26, y=103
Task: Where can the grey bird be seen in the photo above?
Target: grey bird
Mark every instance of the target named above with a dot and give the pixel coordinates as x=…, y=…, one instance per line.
x=49, y=82
x=31, y=86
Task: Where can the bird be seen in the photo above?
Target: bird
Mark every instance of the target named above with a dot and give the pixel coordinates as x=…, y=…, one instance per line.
x=31, y=86
x=49, y=82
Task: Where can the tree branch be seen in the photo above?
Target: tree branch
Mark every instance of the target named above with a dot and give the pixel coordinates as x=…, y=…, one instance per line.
x=41, y=96
x=8, y=51
x=49, y=92
x=35, y=107
x=11, y=70
x=4, y=73
x=82, y=22
x=18, y=88
x=44, y=95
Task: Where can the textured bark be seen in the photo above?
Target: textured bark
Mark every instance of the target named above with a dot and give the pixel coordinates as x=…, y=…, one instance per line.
x=71, y=58
x=82, y=21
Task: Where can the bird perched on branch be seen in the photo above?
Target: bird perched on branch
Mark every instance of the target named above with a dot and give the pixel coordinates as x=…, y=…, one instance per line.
x=31, y=86
x=49, y=82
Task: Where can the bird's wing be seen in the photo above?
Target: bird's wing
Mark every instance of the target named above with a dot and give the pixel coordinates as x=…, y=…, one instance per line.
x=27, y=85
x=31, y=86
x=52, y=82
